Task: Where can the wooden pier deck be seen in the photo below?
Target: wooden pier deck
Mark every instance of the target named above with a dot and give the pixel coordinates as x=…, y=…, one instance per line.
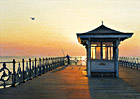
x=71, y=82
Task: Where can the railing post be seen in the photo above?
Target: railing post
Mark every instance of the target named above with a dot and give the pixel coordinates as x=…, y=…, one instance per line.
x=137, y=63
x=131, y=62
x=35, y=67
x=14, y=74
x=60, y=61
x=4, y=85
x=23, y=81
x=51, y=64
x=57, y=62
x=30, y=69
x=63, y=60
x=43, y=66
x=46, y=64
x=39, y=66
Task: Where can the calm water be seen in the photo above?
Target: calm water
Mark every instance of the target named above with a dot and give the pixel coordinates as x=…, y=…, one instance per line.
x=26, y=58
x=18, y=58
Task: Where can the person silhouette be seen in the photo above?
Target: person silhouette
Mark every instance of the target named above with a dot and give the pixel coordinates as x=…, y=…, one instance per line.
x=68, y=58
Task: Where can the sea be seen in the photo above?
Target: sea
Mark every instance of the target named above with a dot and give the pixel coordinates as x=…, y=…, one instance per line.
x=18, y=58
x=9, y=59
x=26, y=58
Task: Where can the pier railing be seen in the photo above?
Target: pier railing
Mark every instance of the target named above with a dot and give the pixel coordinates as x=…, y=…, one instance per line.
x=132, y=62
x=77, y=61
x=14, y=72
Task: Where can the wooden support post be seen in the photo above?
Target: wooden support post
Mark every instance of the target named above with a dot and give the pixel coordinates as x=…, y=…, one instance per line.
x=116, y=59
x=89, y=59
x=117, y=65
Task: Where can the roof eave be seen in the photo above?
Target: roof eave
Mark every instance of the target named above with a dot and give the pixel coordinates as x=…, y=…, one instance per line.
x=104, y=36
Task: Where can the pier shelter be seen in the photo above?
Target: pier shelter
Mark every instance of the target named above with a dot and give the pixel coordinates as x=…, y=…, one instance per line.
x=101, y=45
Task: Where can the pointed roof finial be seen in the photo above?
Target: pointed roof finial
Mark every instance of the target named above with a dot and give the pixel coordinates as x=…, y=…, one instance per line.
x=102, y=22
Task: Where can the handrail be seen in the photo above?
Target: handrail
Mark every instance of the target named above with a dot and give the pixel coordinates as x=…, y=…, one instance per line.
x=14, y=72
x=132, y=62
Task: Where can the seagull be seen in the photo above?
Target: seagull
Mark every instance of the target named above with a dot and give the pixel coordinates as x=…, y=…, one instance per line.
x=33, y=18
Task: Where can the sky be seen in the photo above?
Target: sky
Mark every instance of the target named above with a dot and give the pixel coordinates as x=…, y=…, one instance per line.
x=57, y=22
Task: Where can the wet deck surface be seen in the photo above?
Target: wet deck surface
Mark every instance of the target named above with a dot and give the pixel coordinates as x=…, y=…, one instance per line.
x=70, y=82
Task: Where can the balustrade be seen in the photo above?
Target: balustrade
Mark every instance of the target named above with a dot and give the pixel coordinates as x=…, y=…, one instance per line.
x=132, y=62
x=13, y=73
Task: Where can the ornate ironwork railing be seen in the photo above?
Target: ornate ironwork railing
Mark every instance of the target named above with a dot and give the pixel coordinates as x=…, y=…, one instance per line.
x=132, y=62
x=16, y=72
x=77, y=61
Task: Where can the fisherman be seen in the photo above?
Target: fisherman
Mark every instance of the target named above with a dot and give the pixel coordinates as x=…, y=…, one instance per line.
x=68, y=58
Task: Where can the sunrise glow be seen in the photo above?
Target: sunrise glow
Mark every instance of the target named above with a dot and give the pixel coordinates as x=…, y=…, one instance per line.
x=57, y=22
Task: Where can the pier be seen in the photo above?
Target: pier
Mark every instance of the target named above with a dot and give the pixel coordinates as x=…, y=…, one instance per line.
x=71, y=82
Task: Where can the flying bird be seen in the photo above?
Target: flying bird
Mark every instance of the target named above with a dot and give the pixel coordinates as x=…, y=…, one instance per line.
x=33, y=18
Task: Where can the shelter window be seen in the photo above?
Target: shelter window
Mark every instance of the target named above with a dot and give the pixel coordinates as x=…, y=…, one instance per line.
x=102, y=48
x=95, y=50
x=107, y=50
